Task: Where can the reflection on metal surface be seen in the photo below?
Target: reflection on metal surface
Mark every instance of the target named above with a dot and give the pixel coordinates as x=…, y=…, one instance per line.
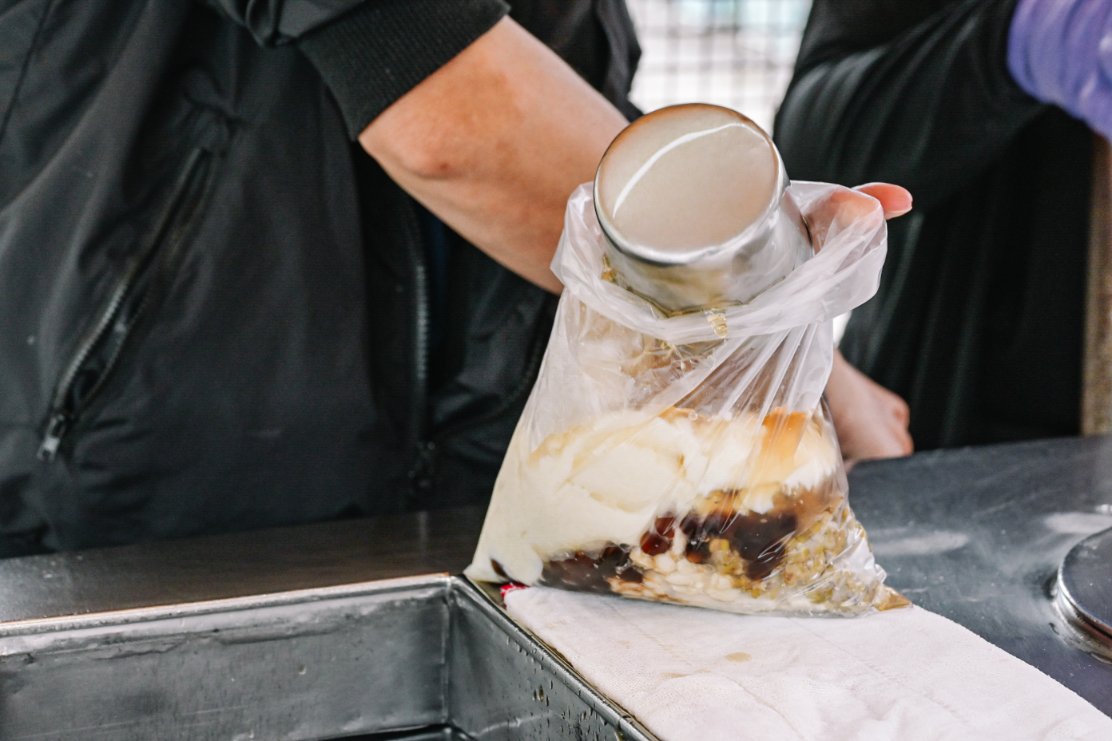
x=1096, y=402
x=314, y=669
x=427, y=653
x=201, y=608
x=495, y=664
x=315, y=632
x=1084, y=591
x=435, y=733
x=277, y=561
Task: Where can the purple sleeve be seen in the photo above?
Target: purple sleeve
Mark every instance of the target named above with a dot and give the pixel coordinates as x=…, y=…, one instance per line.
x=1060, y=52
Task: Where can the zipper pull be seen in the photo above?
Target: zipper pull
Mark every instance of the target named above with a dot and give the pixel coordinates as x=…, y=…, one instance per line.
x=56, y=429
x=421, y=475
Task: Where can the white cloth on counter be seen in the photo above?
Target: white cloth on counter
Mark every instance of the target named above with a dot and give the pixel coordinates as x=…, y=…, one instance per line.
x=688, y=673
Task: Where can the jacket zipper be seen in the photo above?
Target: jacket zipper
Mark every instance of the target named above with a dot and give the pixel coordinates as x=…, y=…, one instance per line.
x=421, y=468
x=99, y=350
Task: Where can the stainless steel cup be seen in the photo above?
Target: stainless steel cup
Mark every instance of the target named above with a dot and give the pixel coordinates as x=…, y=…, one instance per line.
x=693, y=202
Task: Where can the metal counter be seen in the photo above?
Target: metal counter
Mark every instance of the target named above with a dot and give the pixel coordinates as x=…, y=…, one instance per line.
x=978, y=535
x=324, y=631
x=356, y=627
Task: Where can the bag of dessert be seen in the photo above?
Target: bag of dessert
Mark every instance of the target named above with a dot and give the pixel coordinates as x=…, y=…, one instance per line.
x=675, y=446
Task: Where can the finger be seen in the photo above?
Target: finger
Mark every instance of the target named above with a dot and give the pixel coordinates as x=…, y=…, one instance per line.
x=842, y=204
x=840, y=209
x=895, y=200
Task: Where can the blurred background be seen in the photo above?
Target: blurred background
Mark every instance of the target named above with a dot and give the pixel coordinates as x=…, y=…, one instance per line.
x=737, y=53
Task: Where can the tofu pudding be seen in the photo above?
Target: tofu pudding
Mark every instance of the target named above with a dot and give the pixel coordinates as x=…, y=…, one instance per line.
x=675, y=447
x=743, y=514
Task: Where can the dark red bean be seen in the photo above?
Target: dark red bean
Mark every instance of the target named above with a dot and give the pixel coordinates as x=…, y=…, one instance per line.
x=753, y=534
x=691, y=525
x=665, y=525
x=655, y=544
x=585, y=572
x=697, y=551
x=631, y=574
x=658, y=540
x=761, y=540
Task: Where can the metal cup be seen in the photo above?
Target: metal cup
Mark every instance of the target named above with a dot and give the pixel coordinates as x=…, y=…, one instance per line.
x=693, y=202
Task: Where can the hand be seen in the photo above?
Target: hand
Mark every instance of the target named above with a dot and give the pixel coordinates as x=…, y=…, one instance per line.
x=870, y=420
x=843, y=207
x=895, y=201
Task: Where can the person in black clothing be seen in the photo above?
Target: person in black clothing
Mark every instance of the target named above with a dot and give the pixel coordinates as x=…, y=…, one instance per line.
x=218, y=313
x=979, y=318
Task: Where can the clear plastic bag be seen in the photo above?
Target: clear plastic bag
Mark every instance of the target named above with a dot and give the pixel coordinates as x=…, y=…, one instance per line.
x=689, y=458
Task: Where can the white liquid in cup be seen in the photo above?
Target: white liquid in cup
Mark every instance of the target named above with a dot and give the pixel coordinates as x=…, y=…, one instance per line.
x=692, y=201
x=692, y=177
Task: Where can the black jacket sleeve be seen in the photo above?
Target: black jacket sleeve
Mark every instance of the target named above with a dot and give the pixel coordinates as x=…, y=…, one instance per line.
x=369, y=52
x=378, y=52
x=273, y=22
x=915, y=92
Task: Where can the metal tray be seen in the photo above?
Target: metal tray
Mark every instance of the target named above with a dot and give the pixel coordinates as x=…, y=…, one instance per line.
x=433, y=655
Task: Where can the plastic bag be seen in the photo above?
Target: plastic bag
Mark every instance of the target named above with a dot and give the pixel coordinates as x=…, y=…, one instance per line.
x=689, y=458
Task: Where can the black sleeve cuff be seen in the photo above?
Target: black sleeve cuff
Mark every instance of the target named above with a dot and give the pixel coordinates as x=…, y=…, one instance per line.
x=378, y=52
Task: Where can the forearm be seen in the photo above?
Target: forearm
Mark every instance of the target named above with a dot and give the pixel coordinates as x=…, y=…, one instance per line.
x=929, y=107
x=494, y=142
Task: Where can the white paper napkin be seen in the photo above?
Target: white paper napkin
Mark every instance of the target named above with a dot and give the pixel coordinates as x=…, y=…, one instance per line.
x=689, y=673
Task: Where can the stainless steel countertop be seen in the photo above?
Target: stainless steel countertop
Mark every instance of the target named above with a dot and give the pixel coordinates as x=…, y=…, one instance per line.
x=975, y=534
x=236, y=565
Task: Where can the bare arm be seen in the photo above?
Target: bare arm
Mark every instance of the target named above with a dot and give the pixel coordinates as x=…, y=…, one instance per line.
x=494, y=142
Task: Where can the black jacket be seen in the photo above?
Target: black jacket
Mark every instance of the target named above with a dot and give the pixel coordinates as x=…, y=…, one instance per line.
x=216, y=312
x=978, y=322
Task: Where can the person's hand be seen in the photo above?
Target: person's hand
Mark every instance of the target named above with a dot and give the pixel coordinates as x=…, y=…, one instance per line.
x=843, y=207
x=895, y=201
x=1060, y=52
x=870, y=420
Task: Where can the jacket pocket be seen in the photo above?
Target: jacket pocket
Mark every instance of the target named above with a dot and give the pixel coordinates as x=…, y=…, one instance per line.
x=145, y=280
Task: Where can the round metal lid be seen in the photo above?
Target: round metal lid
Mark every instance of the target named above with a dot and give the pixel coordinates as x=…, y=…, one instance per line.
x=1085, y=586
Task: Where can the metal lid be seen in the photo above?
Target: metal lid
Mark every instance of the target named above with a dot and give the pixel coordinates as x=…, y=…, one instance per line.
x=1085, y=587
x=692, y=201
